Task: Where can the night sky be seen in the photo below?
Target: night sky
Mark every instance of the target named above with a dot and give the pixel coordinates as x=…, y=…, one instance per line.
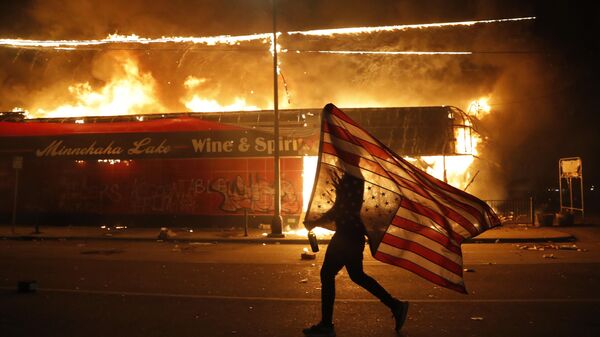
x=541, y=75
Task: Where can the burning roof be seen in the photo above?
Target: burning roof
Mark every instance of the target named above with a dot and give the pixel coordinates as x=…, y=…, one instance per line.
x=410, y=131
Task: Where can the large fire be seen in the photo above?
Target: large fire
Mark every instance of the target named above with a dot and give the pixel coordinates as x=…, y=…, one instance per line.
x=132, y=91
x=128, y=91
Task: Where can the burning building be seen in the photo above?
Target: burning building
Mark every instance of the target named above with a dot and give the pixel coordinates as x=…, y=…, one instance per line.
x=100, y=142
x=198, y=169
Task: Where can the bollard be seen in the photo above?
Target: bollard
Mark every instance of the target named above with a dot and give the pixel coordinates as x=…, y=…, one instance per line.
x=245, y=222
x=531, y=218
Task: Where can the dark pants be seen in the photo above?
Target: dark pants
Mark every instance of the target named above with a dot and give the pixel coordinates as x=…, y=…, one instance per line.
x=346, y=252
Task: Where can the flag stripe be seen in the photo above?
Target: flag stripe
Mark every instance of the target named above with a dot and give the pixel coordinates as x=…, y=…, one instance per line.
x=411, y=215
x=342, y=116
x=421, y=260
x=458, y=217
x=358, y=141
x=441, y=257
x=368, y=176
x=456, y=233
x=419, y=270
x=449, y=193
x=471, y=213
x=408, y=225
x=349, y=158
x=453, y=201
x=422, y=210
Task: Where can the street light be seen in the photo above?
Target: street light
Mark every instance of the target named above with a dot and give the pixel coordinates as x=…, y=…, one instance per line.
x=277, y=221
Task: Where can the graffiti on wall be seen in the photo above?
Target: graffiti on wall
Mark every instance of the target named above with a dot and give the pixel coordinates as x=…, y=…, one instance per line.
x=177, y=196
x=257, y=195
x=152, y=187
x=77, y=195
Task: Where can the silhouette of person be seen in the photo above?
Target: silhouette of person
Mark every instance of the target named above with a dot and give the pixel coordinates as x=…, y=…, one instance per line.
x=346, y=250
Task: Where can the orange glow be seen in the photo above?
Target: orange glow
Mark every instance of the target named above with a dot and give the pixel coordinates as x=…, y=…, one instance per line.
x=479, y=108
x=457, y=168
x=193, y=100
x=129, y=91
x=319, y=232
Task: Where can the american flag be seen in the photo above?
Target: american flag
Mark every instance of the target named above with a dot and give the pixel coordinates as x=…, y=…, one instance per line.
x=412, y=219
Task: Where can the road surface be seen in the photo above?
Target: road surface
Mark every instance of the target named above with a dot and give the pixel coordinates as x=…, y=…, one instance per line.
x=110, y=288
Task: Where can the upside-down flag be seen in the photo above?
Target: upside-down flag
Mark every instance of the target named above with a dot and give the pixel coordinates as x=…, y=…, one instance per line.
x=412, y=220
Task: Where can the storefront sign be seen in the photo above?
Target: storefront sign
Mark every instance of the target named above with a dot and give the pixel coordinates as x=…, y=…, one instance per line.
x=158, y=145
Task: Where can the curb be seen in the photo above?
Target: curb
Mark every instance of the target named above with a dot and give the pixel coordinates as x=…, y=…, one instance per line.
x=138, y=239
x=567, y=238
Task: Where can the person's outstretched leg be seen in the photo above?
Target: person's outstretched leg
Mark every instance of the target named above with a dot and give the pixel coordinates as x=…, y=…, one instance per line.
x=399, y=308
x=358, y=276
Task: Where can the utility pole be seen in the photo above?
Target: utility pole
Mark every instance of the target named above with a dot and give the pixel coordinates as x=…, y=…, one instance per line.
x=276, y=223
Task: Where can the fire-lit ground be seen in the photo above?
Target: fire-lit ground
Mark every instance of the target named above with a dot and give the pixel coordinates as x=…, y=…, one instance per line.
x=159, y=289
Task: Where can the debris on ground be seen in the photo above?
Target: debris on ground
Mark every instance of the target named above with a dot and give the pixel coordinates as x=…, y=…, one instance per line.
x=304, y=280
x=201, y=243
x=549, y=256
x=165, y=233
x=476, y=318
x=469, y=270
x=306, y=255
x=551, y=246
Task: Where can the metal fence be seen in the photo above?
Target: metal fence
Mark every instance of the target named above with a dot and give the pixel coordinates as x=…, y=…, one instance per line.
x=513, y=211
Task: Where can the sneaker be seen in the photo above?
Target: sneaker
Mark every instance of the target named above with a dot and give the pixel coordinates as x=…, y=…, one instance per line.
x=399, y=310
x=320, y=330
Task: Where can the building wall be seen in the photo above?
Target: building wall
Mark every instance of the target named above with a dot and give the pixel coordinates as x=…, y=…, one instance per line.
x=195, y=191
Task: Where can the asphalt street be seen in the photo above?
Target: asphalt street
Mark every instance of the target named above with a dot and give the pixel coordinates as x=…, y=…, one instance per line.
x=120, y=288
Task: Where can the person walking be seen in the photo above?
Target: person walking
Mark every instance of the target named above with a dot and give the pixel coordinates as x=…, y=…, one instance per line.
x=346, y=250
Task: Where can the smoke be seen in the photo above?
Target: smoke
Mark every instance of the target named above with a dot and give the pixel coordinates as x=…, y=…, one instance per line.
x=246, y=70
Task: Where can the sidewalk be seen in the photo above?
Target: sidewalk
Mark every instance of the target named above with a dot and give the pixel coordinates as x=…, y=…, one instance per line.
x=501, y=234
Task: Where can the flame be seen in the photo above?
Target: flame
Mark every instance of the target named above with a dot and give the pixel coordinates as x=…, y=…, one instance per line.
x=132, y=39
x=479, y=108
x=231, y=40
x=309, y=169
x=194, y=102
x=303, y=232
x=367, y=52
x=456, y=169
x=452, y=169
x=128, y=91
x=362, y=30
x=197, y=103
